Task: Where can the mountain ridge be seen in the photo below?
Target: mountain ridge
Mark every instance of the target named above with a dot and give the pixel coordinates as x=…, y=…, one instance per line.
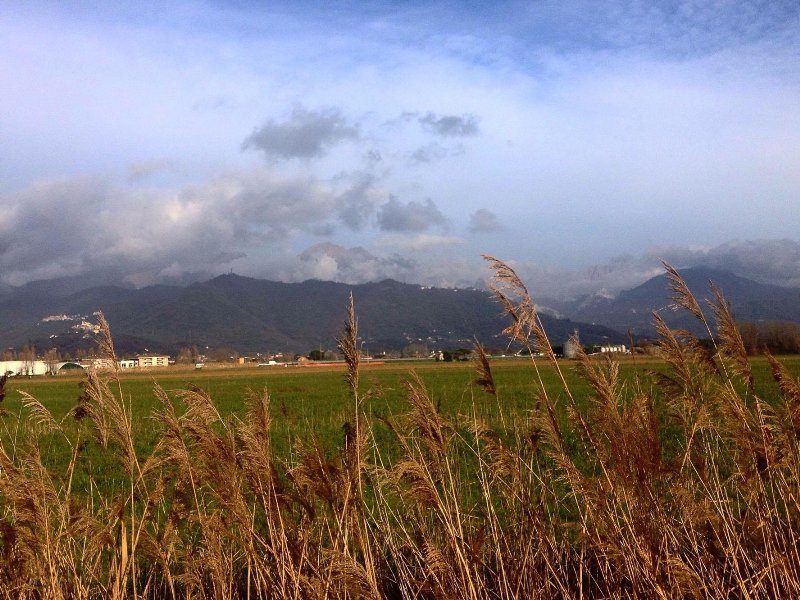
x=632, y=309
x=249, y=314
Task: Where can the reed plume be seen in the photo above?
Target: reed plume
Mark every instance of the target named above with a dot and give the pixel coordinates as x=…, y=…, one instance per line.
x=680, y=481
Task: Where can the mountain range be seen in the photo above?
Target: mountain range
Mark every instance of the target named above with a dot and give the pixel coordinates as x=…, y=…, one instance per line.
x=632, y=309
x=248, y=315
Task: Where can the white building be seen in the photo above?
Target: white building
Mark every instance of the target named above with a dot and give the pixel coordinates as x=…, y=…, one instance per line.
x=152, y=360
x=97, y=362
x=619, y=348
x=128, y=363
x=24, y=367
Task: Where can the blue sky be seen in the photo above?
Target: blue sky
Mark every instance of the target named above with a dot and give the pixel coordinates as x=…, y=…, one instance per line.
x=355, y=141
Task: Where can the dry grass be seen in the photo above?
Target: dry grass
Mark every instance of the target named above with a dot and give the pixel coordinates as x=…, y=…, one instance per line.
x=682, y=485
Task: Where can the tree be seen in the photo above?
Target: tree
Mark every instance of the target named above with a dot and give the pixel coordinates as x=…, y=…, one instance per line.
x=316, y=355
x=188, y=355
x=28, y=356
x=221, y=354
x=779, y=337
x=52, y=358
x=415, y=350
x=462, y=354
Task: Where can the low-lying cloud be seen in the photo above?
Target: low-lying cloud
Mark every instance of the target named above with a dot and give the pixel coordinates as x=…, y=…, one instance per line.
x=774, y=262
x=767, y=261
x=359, y=265
x=251, y=220
x=76, y=225
x=332, y=262
x=256, y=221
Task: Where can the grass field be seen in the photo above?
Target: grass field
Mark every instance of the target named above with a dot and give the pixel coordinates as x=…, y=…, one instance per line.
x=315, y=401
x=317, y=397
x=503, y=479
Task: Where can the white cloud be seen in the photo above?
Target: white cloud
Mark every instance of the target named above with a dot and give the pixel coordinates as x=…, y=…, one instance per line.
x=603, y=129
x=80, y=224
x=417, y=242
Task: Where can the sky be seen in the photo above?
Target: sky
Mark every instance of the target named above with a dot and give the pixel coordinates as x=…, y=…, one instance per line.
x=582, y=142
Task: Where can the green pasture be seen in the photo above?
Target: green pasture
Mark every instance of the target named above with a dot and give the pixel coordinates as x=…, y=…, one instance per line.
x=312, y=402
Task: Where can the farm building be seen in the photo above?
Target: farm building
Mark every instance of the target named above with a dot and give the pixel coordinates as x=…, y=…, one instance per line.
x=25, y=367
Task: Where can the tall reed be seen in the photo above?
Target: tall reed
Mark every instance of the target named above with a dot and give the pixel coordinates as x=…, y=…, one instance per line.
x=676, y=484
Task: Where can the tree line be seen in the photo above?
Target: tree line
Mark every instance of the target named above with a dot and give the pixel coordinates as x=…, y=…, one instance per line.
x=778, y=337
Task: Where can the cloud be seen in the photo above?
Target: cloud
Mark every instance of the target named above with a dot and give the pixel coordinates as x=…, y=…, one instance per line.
x=357, y=203
x=51, y=221
x=435, y=152
x=418, y=242
x=307, y=134
x=484, y=221
x=413, y=216
x=428, y=154
x=373, y=157
x=775, y=262
x=75, y=225
x=450, y=125
x=138, y=171
x=433, y=264
x=642, y=118
x=333, y=262
x=767, y=261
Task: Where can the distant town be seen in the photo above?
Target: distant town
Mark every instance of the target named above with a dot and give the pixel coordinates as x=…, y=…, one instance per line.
x=27, y=362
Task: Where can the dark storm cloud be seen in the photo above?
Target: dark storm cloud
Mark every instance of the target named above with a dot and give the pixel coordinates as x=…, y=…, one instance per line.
x=412, y=216
x=484, y=221
x=450, y=125
x=307, y=134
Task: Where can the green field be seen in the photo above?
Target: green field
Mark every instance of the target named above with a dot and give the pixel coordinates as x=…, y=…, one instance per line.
x=459, y=494
x=315, y=401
